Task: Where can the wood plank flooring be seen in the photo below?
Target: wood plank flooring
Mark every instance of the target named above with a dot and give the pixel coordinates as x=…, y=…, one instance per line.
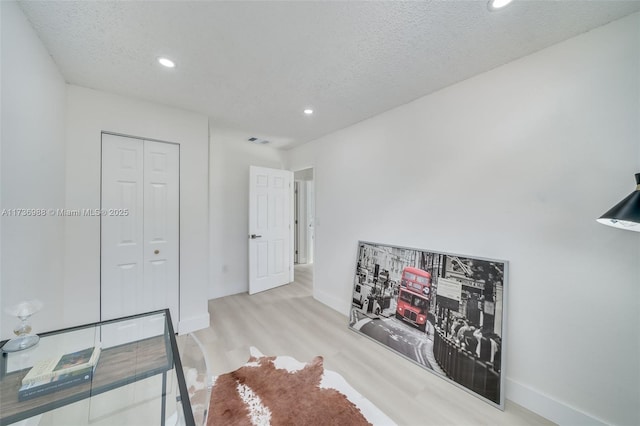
x=288, y=321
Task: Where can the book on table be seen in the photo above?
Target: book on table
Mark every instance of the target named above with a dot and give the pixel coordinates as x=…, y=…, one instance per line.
x=60, y=372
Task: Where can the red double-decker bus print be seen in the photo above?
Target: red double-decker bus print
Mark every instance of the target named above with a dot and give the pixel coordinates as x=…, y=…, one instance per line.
x=413, y=297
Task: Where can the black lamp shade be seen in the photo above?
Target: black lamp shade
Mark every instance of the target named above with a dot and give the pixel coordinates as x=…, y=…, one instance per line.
x=625, y=214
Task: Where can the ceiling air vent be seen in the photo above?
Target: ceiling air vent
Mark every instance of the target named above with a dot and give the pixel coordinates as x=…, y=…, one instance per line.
x=258, y=141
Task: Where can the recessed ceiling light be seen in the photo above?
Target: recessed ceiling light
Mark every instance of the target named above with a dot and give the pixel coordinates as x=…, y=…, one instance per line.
x=308, y=111
x=166, y=62
x=497, y=4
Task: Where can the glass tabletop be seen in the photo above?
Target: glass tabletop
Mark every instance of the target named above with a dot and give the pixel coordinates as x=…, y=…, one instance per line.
x=125, y=371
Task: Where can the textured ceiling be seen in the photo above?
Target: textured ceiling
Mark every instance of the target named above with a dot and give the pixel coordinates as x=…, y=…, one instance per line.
x=255, y=66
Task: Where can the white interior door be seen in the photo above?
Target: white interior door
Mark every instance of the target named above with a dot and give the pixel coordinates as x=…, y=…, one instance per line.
x=311, y=208
x=122, y=237
x=139, y=227
x=161, y=230
x=270, y=228
x=296, y=223
x=301, y=222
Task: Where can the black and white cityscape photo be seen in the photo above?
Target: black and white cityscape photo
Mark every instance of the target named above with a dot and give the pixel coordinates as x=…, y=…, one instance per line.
x=441, y=311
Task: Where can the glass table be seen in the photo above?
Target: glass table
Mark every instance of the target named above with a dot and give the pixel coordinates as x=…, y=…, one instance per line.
x=138, y=378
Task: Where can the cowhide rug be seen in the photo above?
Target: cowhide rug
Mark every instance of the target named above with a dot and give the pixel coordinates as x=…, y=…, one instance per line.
x=270, y=390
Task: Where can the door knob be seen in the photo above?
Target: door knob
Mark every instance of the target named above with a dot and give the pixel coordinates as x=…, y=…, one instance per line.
x=156, y=252
x=254, y=236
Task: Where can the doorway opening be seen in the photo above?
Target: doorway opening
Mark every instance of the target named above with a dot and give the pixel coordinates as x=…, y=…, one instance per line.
x=304, y=224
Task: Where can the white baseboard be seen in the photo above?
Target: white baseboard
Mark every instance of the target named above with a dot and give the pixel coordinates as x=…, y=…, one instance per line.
x=188, y=325
x=548, y=407
x=531, y=399
x=332, y=302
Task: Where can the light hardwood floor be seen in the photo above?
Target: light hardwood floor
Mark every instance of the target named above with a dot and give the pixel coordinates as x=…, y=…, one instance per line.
x=288, y=321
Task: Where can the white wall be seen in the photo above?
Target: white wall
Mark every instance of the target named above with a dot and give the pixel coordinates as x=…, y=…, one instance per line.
x=231, y=155
x=33, y=114
x=89, y=112
x=512, y=164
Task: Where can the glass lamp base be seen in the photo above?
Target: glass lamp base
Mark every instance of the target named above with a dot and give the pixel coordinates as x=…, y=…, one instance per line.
x=21, y=343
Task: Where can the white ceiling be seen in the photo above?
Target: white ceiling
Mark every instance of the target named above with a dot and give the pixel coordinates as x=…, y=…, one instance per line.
x=255, y=66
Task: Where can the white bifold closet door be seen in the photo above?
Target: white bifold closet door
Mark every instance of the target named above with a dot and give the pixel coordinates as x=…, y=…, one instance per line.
x=139, y=227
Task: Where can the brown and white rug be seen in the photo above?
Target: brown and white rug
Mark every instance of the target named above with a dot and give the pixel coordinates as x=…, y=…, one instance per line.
x=283, y=391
